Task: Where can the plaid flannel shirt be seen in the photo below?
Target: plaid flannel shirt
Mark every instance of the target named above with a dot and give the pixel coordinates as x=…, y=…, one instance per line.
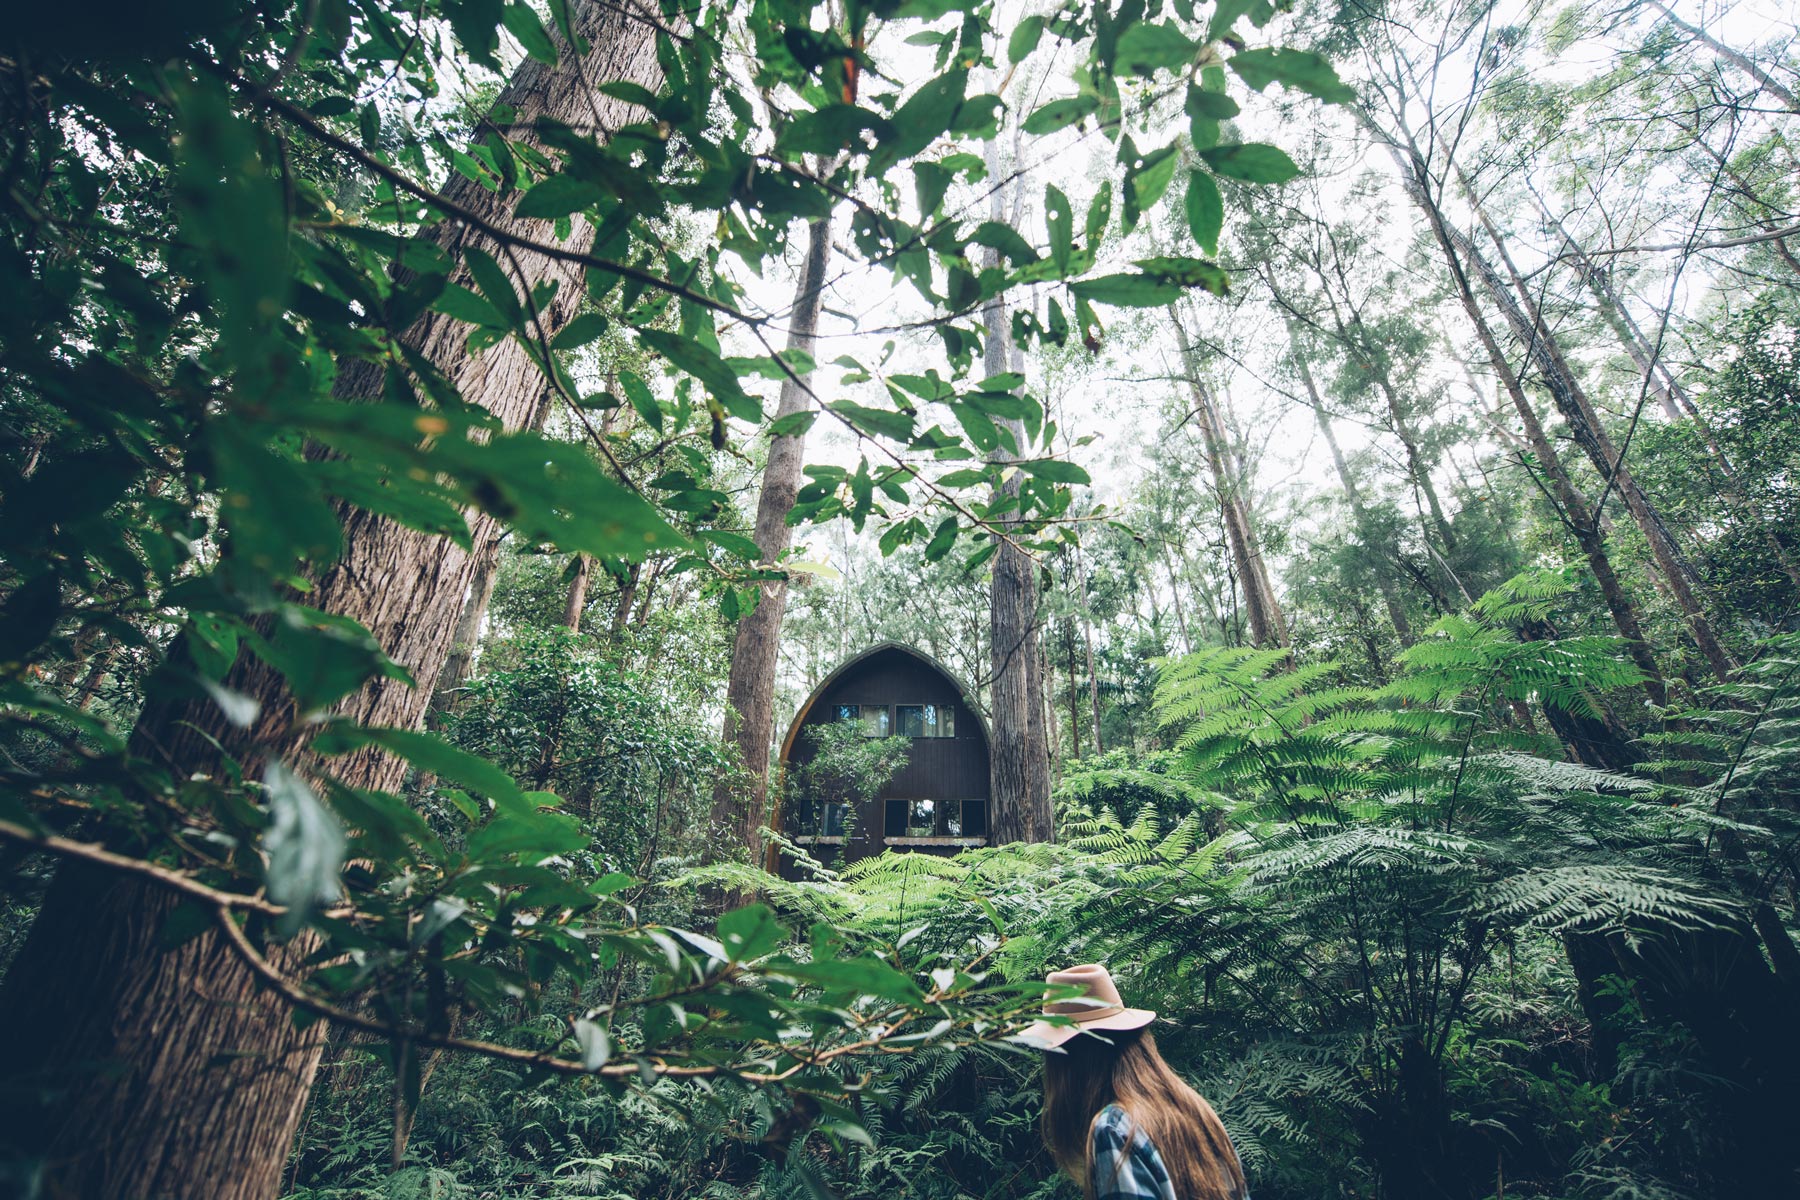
x=1126, y=1167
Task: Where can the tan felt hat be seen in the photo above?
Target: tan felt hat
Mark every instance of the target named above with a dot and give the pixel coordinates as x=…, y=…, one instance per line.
x=1099, y=1007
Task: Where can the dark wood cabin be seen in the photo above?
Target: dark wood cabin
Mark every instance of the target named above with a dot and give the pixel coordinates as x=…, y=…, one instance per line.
x=937, y=802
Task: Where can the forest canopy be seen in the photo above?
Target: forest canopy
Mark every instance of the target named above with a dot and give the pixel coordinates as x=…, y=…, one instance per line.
x=1339, y=460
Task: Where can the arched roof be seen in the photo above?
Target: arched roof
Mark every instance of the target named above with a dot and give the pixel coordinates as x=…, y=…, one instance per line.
x=968, y=697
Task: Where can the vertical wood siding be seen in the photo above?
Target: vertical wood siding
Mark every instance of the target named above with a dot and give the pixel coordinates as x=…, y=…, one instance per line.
x=946, y=769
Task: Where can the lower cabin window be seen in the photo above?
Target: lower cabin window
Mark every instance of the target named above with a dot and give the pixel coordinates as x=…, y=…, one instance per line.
x=936, y=818
x=825, y=820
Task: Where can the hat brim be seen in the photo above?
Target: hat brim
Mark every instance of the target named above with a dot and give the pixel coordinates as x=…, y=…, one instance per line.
x=1046, y=1036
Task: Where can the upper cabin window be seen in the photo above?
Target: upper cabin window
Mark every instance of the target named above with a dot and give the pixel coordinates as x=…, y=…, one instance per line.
x=872, y=717
x=925, y=720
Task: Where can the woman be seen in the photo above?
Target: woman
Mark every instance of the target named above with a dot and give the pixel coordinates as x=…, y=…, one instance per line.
x=1117, y=1118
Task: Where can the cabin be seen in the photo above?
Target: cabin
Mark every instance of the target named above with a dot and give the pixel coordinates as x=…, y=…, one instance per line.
x=937, y=802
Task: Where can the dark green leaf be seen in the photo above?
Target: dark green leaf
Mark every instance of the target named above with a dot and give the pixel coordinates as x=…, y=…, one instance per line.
x=1146, y=46
x=1301, y=70
x=1252, y=162
x=1060, y=114
x=1205, y=211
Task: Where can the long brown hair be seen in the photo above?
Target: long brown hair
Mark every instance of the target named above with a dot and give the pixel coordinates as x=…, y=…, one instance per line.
x=1091, y=1073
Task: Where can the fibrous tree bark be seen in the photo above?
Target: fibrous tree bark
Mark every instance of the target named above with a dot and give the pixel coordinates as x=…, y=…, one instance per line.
x=1268, y=626
x=1582, y=521
x=1531, y=329
x=750, y=690
x=138, y=1064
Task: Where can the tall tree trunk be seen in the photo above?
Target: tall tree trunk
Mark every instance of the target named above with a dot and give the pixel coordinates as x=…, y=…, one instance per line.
x=1735, y=57
x=755, y=651
x=1530, y=327
x=1390, y=594
x=138, y=1070
x=1267, y=625
x=578, y=593
x=1676, y=404
x=1087, y=641
x=1582, y=523
x=467, y=637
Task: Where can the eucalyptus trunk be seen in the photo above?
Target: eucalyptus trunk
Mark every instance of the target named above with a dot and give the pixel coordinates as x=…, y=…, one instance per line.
x=1590, y=434
x=750, y=691
x=1582, y=522
x=140, y=1062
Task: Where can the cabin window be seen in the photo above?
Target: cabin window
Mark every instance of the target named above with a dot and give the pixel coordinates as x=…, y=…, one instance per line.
x=974, y=819
x=825, y=820
x=925, y=720
x=936, y=818
x=912, y=818
x=872, y=717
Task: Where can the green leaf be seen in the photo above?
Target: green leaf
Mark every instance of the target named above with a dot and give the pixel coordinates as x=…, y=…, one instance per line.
x=927, y=114
x=1252, y=162
x=523, y=23
x=1205, y=211
x=886, y=422
x=736, y=543
x=519, y=831
x=459, y=302
x=494, y=284
x=642, y=399
x=587, y=327
x=1025, y=37
x=793, y=425
x=1300, y=70
x=942, y=541
x=703, y=364
x=1187, y=272
x=1145, y=46
x=865, y=976
x=828, y=130
x=1215, y=106
x=750, y=932
x=1060, y=114
x=230, y=207
x=321, y=656
x=1146, y=181
x=1059, y=217
x=417, y=504
x=304, y=844
x=429, y=752
x=1054, y=470
x=1127, y=290
x=271, y=507
x=1006, y=240
x=553, y=491
x=558, y=196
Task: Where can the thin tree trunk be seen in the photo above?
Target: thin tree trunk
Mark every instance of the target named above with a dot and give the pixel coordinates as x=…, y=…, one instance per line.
x=755, y=651
x=1187, y=639
x=138, y=1070
x=1390, y=595
x=1267, y=626
x=578, y=592
x=1677, y=405
x=1735, y=57
x=1582, y=523
x=1530, y=328
x=1087, y=641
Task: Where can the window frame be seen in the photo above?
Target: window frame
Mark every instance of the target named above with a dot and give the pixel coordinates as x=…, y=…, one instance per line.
x=946, y=714
x=863, y=712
